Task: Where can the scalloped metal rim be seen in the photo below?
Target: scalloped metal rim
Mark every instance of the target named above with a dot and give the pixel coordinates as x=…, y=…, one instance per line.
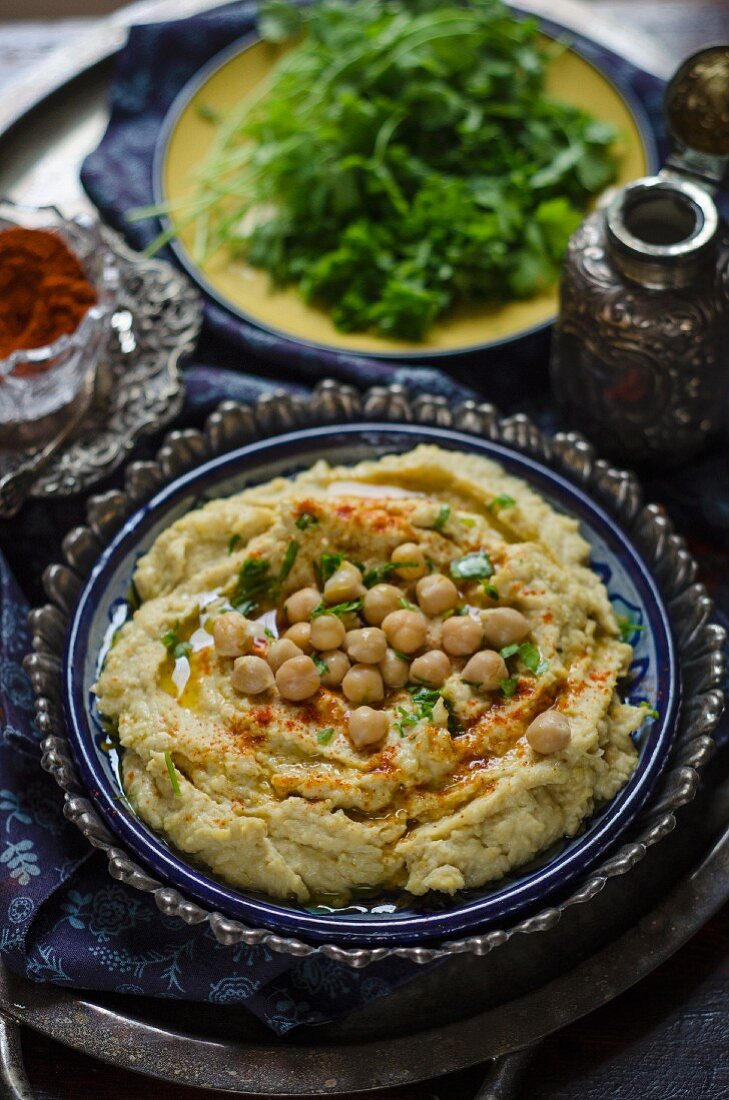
x=699, y=642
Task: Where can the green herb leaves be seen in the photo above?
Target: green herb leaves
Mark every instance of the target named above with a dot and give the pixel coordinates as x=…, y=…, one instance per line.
x=628, y=628
x=320, y=664
x=529, y=656
x=233, y=541
x=650, y=712
x=174, y=646
x=325, y=736
x=306, y=520
x=503, y=500
x=172, y=772
x=406, y=158
x=442, y=518
x=328, y=565
x=376, y=574
x=508, y=687
x=475, y=566
x=255, y=583
x=339, y=609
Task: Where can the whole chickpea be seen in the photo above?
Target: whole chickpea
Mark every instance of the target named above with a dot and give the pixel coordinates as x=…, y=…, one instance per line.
x=345, y=584
x=327, y=632
x=300, y=635
x=549, y=732
x=232, y=634
x=251, y=675
x=436, y=594
x=461, y=635
x=299, y=605
x=486, y=669
x=297, y=679
x=395, y=672
x=363, y=684
x=283, y=649
x=503, y=626
x=368, y=645
x=433, y=668
x=337, y=667
x=405, y=630
x=410, y=552
x=367, y=726
x=379, y=602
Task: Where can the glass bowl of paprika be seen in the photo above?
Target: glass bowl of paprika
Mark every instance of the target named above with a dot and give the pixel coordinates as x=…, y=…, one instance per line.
x=59, y=284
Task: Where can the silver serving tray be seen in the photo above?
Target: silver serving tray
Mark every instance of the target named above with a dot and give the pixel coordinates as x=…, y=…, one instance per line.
x=699, y=642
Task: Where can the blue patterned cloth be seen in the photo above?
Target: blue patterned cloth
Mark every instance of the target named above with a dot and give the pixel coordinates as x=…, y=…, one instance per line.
x=62, y=918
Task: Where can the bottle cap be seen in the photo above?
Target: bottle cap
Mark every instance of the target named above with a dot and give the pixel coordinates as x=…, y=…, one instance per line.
x=696, y=108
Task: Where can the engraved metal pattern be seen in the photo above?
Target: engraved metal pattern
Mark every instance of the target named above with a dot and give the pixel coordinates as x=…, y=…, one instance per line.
x=155, y=326
x=700, y=642
x=641, y=370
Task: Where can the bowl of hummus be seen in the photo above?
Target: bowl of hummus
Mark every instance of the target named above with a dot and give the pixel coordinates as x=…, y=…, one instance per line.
x=371, y=683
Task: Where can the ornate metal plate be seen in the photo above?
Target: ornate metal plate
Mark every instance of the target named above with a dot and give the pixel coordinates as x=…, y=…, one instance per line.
x=155, y=326
x=699, y=642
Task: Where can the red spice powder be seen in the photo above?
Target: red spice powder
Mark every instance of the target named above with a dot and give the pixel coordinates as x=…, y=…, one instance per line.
x=44, y=292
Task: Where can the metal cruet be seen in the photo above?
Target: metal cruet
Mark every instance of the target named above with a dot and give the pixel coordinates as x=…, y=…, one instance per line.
x=640, y=353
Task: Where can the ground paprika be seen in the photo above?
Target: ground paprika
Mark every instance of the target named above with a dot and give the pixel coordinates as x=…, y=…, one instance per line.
x=44, y=292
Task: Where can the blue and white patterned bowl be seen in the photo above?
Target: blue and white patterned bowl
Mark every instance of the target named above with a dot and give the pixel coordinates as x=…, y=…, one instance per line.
x=385, y=920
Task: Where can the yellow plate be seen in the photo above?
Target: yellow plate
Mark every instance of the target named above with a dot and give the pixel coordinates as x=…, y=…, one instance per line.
x=247, y=291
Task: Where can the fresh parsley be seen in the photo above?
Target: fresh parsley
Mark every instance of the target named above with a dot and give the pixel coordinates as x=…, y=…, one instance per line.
x=337, y=608
x=650, y=711
x=325, y=736
x=490, y=590
x=628, y=627
x=475, y=566
x=328, y=565
x=407, y=157
x=174, y=645
x=503, y=500
x=172, y=772
x=320, y=664
x=508, y=687
x=256, y=584
x=406, y=604
x=442, y=518
x=529, y=656
x=233, y=541
x=306, y=520
x=376, y=574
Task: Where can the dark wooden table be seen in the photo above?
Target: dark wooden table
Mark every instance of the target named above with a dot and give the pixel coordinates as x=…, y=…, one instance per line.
x=665, y=1039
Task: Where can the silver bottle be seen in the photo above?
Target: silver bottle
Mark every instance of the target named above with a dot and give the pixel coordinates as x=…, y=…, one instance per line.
x=640, y=353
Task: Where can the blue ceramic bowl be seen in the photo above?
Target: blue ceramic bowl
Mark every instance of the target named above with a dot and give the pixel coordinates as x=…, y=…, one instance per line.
x=387, y=919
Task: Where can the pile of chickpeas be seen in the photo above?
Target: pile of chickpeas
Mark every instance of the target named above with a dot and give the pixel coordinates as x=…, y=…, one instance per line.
x=388, y=653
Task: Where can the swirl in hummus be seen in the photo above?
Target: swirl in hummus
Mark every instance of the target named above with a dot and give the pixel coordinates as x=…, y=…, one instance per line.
x=398, y=674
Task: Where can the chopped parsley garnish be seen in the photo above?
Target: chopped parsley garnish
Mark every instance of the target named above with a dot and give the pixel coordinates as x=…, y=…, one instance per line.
x=337, y=609
x=172, y=772
x=233, y=541
x=321, y=666
x=529, y=656
x=650, y=711
x=508, y=687
x=306, y=520
x=406, y=604
x=425, y=699
x=173, y=644
x=490, y=590
x=288, y=560
x=325, y=736
x=468, y=521
x=400, y=656
x=628, y=627
x=442, y=518
x=475, y=566
x=269, y=634
x=255, y=582
x=376, y=574
x=328, y=565
x=503, y=500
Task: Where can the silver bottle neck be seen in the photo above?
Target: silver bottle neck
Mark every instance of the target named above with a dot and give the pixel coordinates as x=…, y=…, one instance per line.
x=661, y=230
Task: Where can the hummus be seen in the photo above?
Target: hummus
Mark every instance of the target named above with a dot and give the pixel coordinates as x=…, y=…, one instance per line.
x=274, y=795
